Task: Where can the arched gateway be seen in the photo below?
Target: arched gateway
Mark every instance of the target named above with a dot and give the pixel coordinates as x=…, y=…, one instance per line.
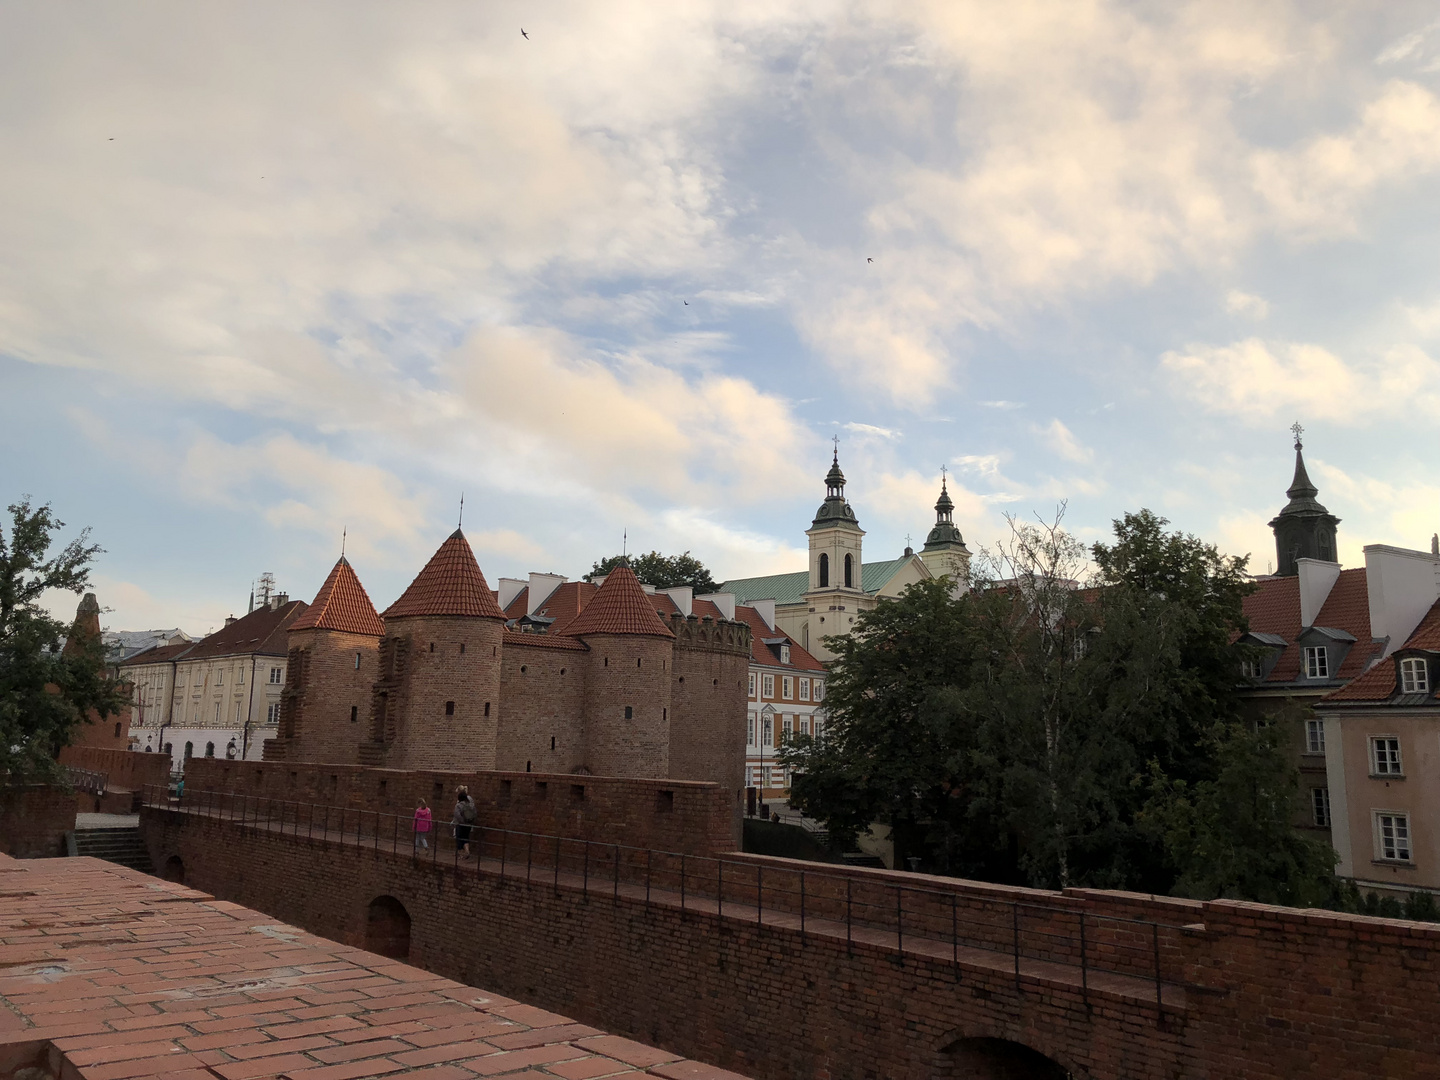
x=387, y=928
x=997, y=1059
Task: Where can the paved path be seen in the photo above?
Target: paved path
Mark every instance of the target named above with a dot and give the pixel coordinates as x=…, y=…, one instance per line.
x=128, y=976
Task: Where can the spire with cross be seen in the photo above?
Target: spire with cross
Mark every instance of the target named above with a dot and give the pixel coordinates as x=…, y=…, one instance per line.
x=1298, y=431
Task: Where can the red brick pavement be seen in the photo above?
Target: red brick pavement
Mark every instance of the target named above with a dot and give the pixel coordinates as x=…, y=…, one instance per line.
x=107, y=974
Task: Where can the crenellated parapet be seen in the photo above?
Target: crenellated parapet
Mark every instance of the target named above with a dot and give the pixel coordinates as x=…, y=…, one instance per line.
x=710, y=635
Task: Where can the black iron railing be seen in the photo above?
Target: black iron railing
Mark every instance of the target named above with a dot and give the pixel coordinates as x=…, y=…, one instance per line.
x=1059, y=940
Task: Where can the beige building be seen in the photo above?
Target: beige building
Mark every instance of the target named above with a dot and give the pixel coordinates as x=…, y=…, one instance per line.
x=1382, y=756
x=824, y=601
x=217, y=697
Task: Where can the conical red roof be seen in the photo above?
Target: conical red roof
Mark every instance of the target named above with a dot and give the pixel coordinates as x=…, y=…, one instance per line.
x=450, y=584
x=620, y=607
x=341, y=604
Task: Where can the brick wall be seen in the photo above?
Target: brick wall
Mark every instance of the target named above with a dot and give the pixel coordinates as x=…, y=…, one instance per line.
x=128, y=769
x=708, y=699
x=542, y=695
x=108, y=733
x=34, y=820
x=447, y=659
x=325, y=688
x=1254, y=992
x=671, y=815
x=627, y=672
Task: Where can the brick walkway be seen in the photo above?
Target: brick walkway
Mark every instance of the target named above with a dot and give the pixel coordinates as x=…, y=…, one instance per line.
x=129, y=976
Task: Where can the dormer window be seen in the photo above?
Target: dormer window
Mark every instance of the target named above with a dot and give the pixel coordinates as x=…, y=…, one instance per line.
x=1317, y=662
x=1414, y=675
x=1250, y=669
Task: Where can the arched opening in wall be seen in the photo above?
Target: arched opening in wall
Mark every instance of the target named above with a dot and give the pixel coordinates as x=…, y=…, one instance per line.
x=997, y=1059
x=387, y=928
x=849, y=572
x=189, y=750
x=824, y=570
x=209, y=749
x=174, y=870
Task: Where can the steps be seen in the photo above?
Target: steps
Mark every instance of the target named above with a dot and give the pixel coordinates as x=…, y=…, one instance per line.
x=122, y=846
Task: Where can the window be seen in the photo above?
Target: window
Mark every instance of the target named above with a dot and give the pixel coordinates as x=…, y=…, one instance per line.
x=1315, y=736
x=787, y=728
x=1320, y=806
x=1080, y=646
x=217, y=712
x=357, y=661
x=220, y=677
x=209, y=749
x=750, y=728
x=1317, y=662
x=784, y=654
x=787, y=687
x=819, y=691
x=240, y=676
x=752, y=684
x=849, y=572
x=1250, y=669
x=1394, y=836
x=272, y=714
x=275, y=674
x=1384, y=756
x=189, y=750
x=629, y=713
x=824, y=570
x=804, y=689
x=804, y=725
x=768, y=686
x=817, y=729
x=1414, y=676
x=766, y=731
x=354, y=713
x=449, y=708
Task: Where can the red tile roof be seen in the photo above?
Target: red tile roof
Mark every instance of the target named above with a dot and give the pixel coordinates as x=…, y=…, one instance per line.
x=620, y=606
x=1378, y=684
x=265, y=631
x=341, y=604
x=543, y=641
x=1275, y=609
x=1348, y=608
x=450, y=584
x=760, y=653
x=564, y=604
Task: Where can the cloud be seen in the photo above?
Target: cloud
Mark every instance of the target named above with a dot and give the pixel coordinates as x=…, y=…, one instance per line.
x=1002, y=405
x=871, y=430
x=1258, y=381
x=1061, y=440
x=1247, y=304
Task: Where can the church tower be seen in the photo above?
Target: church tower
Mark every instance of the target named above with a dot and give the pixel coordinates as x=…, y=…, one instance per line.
x=1304, y=529
x=835, y=593
x=945, y=551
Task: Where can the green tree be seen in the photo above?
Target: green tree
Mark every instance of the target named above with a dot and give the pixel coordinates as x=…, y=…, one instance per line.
x=44, y=694
x=1046, y=728
x=661, y=571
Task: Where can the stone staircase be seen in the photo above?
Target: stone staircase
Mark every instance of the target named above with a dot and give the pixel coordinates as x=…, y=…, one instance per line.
x=117, y=845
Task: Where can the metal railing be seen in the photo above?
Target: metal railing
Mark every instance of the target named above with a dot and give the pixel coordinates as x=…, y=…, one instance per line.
x=1059, y=941
x=87, y=781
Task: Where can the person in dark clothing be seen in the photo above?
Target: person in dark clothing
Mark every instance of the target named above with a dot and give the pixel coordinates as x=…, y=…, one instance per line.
x=463, y=820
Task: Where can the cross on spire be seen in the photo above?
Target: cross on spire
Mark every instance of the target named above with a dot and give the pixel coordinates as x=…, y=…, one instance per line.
x=836, y=440
x=1298, y=430
x=908, y=541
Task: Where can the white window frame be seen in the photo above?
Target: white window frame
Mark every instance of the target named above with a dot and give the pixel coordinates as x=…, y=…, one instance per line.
x=272, y=714
x=784, y=654
x=804, y=689
x=217, y=712
x=1392, y=837
x=1414, y=675
x=220, y=676
x=750, y=729
x=1385, y=759
x=276, y=674
x=1250, y=669
x=767, y=686
x=787, y=688
x=767, y=731
x=787, y=728
x=1320, y=806
x=1315, y=736
x=752, y=686
x=804, y=725
x=1317, y=662
x=818, y=691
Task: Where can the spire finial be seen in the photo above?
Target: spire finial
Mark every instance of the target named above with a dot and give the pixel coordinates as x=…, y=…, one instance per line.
x=625, y=545
x=343, y=531
x=461, y=523
x=1298, y=430
x=942, y=477
x=908, y=541
x=836, y=458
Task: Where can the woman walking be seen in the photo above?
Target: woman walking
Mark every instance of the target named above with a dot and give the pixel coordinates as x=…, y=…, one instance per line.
x=423, y=817
x=463, y=819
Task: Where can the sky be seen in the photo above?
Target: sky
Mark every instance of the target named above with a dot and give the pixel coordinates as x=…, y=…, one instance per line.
x=274, y=271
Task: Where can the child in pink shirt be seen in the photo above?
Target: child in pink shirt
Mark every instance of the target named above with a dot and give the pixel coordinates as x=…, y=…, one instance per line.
x=423, y=818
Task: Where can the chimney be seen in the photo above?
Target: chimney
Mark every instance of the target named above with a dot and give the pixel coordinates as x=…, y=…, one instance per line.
x=725, y=601
x=229, y=619
x=542, y=587
x=509, y=589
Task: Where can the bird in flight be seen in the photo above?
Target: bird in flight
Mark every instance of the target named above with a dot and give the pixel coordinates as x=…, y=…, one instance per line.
x=869, y=260
x=524, y=34
x=687, y=303
x=112, y=138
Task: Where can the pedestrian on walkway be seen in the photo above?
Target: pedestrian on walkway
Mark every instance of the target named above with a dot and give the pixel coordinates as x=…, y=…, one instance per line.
x=423, y=817
x=463, y=819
